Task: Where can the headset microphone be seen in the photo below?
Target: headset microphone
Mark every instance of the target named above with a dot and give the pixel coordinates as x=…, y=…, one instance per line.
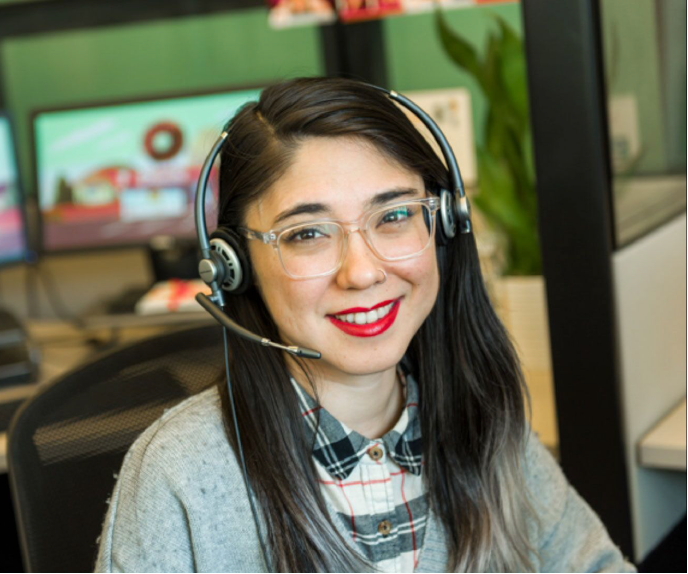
x=225, y=321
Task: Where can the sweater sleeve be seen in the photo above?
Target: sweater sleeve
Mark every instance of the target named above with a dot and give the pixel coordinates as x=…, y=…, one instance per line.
x=571, y=537
x=145, y=528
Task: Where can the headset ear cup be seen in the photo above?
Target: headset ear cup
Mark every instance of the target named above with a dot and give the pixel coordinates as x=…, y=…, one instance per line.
x=463, y=214
x=447, y=222
x=236, y=268
x=440, y=237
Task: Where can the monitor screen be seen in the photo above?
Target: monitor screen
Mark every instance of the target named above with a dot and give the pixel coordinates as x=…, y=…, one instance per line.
x=12, y=222
x=118, y=175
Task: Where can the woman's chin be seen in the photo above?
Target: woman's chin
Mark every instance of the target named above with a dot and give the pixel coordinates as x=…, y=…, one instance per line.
x=377, y=362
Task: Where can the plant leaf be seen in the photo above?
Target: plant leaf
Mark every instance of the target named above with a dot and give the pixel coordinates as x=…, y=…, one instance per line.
x=460, y=51
x=513, y=70
x=505, y=211
x=497, y=199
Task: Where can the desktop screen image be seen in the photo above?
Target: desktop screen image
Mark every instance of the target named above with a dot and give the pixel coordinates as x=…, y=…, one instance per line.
x=119, y=175
x=12, y=232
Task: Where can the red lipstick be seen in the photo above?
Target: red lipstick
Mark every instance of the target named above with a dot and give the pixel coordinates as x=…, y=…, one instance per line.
x=370, y=329
x=363, y=309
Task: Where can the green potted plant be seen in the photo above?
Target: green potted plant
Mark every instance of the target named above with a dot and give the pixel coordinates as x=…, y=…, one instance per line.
x=506, y=174
x=507, y=200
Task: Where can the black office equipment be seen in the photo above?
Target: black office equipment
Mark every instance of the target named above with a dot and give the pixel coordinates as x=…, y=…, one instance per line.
x=18, y=357
x=67, y=442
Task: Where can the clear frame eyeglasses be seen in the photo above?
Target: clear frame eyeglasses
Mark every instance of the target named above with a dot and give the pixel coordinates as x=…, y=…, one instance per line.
x=395, y=232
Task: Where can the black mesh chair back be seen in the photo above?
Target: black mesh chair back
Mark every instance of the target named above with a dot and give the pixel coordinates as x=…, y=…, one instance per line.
x=67, y=443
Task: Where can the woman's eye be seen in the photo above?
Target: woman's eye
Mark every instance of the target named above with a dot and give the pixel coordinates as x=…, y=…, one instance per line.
x=396, y=215
x=305, y=234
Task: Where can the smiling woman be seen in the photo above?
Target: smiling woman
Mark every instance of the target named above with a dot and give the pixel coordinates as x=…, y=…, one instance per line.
x=343, y=272
x=405, y=447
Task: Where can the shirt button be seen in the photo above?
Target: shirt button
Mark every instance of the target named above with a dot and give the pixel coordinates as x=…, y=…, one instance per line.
x=375, y=452
x=385, y=527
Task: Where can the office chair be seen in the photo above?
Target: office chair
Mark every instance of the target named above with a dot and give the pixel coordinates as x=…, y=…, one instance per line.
x=67, y=443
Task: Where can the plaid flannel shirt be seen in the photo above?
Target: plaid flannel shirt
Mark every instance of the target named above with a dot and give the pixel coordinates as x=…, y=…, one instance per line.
x=376, y=485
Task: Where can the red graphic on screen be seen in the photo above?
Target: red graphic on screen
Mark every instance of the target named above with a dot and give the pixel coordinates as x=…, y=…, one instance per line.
x=354, y=10
x=176, y=140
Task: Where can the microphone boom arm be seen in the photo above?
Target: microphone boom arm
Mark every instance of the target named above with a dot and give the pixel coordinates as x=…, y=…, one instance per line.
x=217, y=313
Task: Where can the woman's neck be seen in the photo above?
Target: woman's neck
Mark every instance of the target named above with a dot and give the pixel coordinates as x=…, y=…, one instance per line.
x=369, y=404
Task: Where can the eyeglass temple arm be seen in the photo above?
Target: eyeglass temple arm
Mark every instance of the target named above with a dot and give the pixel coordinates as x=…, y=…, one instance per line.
x=251, y=234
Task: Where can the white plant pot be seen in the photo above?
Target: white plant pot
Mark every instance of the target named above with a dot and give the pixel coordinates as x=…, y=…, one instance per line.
x=521, y=304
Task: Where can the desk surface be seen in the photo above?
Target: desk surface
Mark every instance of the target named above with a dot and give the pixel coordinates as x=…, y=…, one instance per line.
x=665, y=445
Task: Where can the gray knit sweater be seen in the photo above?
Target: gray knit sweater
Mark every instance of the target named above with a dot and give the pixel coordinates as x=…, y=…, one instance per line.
x=180, y=505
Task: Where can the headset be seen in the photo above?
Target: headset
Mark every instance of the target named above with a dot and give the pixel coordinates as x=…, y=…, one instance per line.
x=225, y=266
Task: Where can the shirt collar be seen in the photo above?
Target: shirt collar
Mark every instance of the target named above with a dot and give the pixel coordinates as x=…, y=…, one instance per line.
x=339, y=449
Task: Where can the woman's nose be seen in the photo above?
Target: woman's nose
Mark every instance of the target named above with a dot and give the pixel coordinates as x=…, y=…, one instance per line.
x=360, y=267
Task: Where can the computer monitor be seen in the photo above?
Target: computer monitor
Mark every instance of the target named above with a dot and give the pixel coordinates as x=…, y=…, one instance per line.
x=120, y=174
x=13, y=235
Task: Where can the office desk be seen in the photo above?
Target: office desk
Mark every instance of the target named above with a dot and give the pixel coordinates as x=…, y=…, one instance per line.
x=665, y=445
x=64, y=347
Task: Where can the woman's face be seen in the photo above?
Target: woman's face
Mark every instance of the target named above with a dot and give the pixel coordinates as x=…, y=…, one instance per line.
x=343, y=175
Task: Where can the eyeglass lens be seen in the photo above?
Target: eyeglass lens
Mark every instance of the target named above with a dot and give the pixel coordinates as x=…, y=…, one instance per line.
x=314, y=249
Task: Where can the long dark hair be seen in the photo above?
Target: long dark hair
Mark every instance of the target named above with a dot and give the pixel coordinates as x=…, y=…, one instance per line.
x=470, y=384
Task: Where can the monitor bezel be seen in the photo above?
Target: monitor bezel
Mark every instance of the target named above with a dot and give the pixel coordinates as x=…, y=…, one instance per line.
x=28, y=253
x=137, y=245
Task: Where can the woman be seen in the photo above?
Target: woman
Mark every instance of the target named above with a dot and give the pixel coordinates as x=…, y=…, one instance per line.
x=405, y=447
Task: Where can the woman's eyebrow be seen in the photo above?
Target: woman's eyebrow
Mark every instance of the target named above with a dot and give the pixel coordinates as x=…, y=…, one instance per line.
x=378, y=199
